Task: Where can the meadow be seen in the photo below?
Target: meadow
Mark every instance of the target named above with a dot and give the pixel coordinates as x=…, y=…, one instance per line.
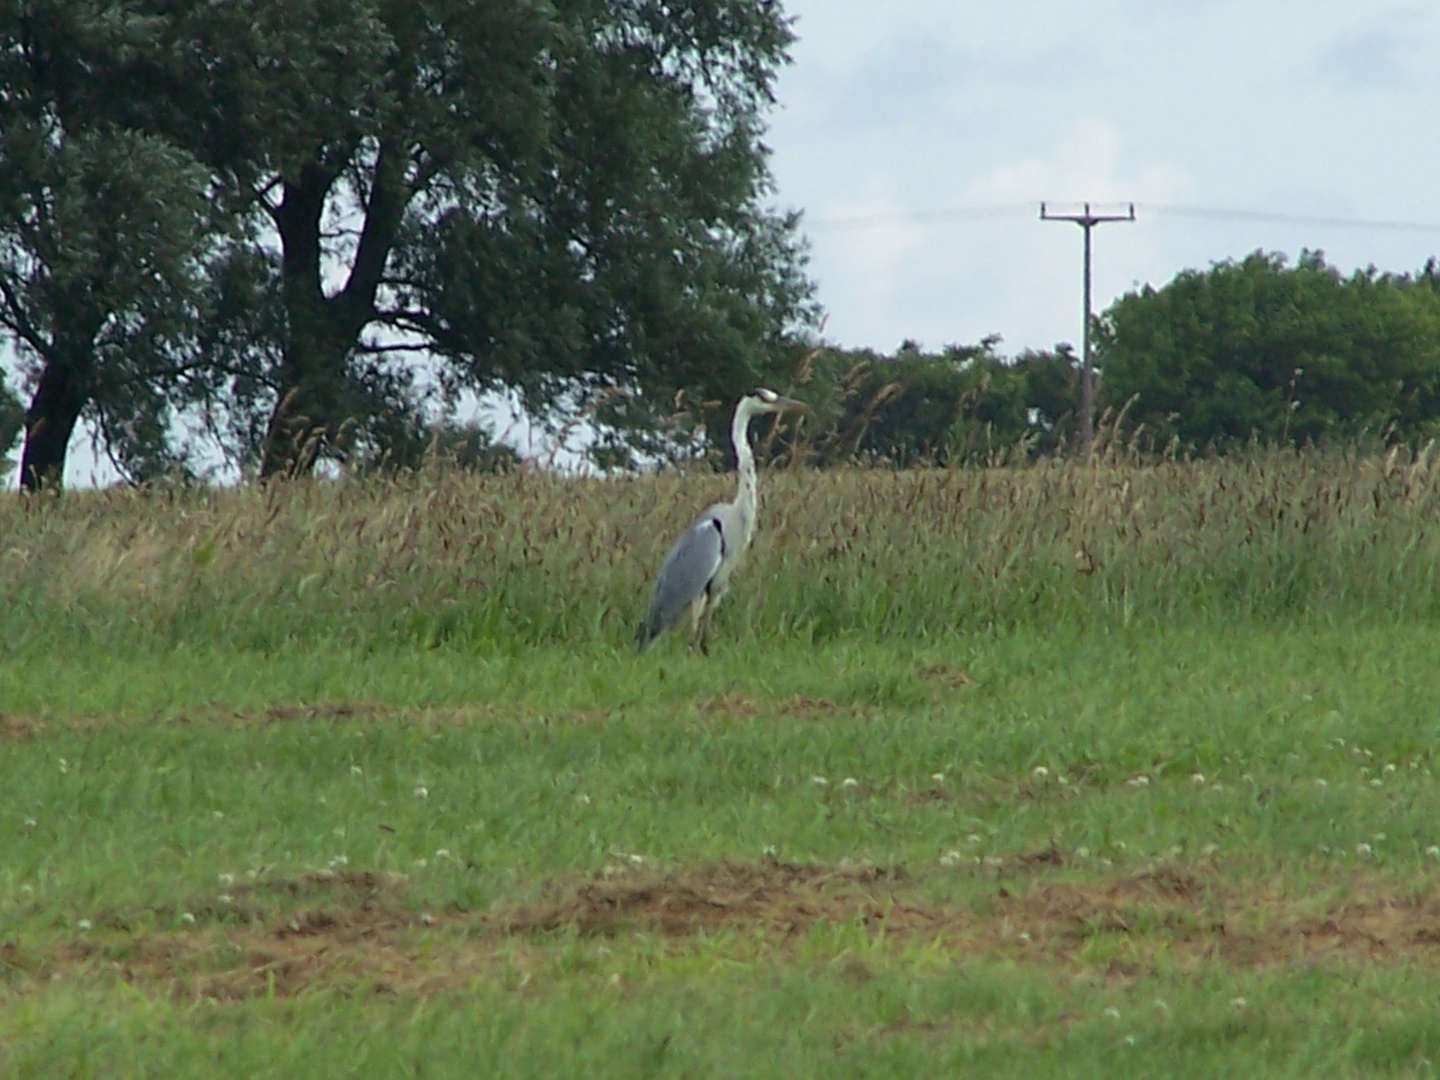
x=1058, y=768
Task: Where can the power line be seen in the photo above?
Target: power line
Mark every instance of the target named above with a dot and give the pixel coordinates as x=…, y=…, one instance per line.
x=1326, y=220
x=997, y=211
x=920, y=217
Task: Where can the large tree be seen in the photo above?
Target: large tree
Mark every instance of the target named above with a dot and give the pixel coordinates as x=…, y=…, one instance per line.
x=562, y=198
x=1262, y=348
x=101, y=231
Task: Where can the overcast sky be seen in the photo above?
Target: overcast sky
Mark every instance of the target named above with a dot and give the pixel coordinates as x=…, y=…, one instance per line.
x=918, y=137
x=894, y=113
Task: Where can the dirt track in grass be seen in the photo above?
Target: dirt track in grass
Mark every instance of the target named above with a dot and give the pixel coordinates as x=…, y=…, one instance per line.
x=360, y=932
x=722, y=707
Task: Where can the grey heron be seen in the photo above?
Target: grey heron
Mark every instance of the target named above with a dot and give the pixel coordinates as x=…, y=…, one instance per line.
x=698, y=568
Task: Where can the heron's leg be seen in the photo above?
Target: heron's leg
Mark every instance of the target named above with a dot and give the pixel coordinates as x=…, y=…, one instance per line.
x=705, y=632
x=712, y=601
x=697, y=624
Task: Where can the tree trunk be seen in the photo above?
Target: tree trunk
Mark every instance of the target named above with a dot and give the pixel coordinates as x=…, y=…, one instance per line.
x=316, y=402
x=49, y=423
x=303, y=421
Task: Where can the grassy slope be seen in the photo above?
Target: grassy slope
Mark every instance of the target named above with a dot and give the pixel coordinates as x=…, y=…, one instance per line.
x=180, y=785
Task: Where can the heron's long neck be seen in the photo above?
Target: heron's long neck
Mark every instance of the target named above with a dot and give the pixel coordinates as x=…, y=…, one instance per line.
x=745, y=459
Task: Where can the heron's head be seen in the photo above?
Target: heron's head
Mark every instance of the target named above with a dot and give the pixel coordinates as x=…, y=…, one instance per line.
x=761, y=400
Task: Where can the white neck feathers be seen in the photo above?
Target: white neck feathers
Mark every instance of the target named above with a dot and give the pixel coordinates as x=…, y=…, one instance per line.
x=745, y=461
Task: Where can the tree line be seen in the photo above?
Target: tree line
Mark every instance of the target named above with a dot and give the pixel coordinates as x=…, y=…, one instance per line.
x=1256, y=350
x=303, y=231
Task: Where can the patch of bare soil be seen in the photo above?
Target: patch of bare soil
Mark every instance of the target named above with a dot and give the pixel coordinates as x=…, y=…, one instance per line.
x=328, y=710
x=13, y=726
x=1131, y=921
x=771, y=895
x=742, y=707
x=359, y=932
x=942, y=675
x=17, y=727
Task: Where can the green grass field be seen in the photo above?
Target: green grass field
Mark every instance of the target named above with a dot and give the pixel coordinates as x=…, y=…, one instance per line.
x=1064, y=771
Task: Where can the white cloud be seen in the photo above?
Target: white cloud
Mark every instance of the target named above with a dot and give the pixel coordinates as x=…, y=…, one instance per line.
x=947, y=280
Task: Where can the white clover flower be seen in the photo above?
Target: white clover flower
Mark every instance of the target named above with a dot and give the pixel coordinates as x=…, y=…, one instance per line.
x=1363, y=849
x=421, y=791
x=356, y=770
x=950, y=858
x=819, y=781
x=1238, y=1003
x=1433, y=851
x=227, y=879
x=1139, y=781
x=849, y=781
x=1040, y=771
x=187, y=918
x=938, y=777
x=442, y=853
x=225, y=898
x=1113, y=1013
x=1198, y=779
x=84, y=924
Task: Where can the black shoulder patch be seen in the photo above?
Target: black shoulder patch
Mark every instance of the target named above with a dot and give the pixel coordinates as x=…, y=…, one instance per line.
x=720, y=530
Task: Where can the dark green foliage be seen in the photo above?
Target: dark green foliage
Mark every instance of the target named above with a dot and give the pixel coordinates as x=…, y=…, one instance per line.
x=1261, y=349
x=101, y=229
x=563, y=200
x=965, y=404
x=559, y=200
x=12, y=424
x=446, y=444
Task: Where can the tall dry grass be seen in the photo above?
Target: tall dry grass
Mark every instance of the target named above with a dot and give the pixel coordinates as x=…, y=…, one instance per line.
x=506, y=561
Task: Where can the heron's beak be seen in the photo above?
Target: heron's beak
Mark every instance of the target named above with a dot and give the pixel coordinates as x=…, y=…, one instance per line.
x=787, y=404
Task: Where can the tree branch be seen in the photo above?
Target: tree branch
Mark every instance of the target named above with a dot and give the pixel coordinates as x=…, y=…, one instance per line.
x=21, y=324
x=383, y=209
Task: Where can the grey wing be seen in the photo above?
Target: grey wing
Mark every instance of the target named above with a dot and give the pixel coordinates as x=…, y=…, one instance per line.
x=688, y=569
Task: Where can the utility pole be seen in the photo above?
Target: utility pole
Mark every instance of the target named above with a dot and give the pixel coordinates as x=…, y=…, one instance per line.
x=1087, y=221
